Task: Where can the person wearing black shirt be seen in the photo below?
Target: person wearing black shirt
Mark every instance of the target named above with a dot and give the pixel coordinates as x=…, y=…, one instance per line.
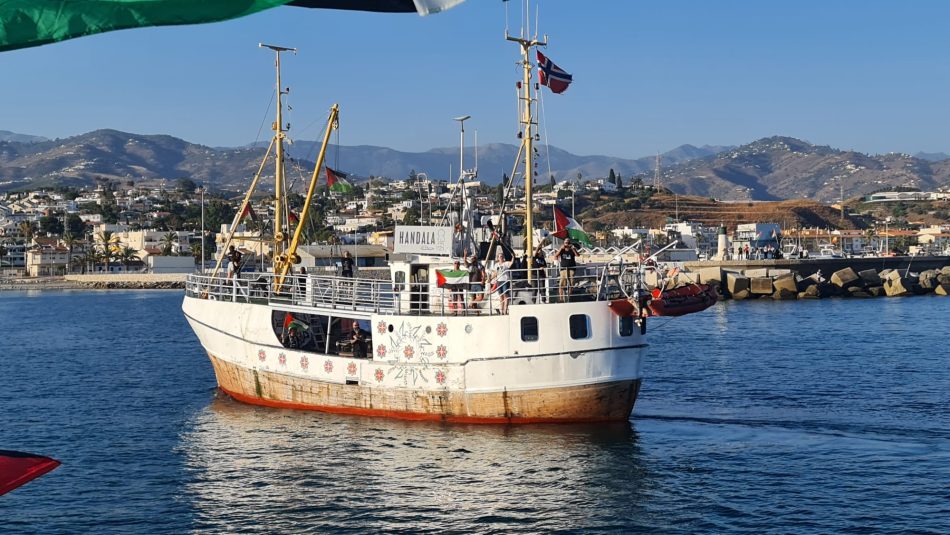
x=540, y=270
x=346, y=265
x=358, y=338
x=234, y=261
x=567, y=257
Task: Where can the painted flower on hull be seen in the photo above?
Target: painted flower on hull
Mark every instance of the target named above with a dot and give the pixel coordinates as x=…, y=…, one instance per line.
x=282, y=359
x=441, y=352
x=379, y=375
x=381, y=351
x=381, y=327
x=440, y=377
x=261, y=355
x=328, y=366
x=442, y=329
x=408, y=352
x=351, y=368
x=304, y=362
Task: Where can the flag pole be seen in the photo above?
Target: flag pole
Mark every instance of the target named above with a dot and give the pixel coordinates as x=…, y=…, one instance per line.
x=527, y=123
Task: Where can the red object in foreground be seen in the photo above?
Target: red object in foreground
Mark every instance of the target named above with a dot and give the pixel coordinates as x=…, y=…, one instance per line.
x=684, y=300
x=17, y=468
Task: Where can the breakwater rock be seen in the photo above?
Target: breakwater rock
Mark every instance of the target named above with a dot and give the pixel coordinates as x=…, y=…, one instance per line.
x=781, y=284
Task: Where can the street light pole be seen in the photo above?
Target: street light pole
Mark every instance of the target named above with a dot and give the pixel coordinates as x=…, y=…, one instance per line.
x=201, y=191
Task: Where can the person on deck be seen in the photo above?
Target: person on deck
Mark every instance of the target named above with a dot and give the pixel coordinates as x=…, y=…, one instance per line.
x=502, y=281
x=346, y=265
x=540, y=274
x=476, y=281
x=234, y=262
x=457, y=302
x=567, y=258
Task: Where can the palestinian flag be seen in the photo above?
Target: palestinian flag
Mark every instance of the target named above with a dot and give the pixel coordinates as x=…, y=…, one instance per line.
x=248, y=211
x=567, y=227
x=337, y=181
x=297, y=325
x=17, y=468
x=25, y=23
x=451, y=277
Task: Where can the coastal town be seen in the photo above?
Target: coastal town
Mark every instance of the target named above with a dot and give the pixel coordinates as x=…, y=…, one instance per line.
x=156, y=226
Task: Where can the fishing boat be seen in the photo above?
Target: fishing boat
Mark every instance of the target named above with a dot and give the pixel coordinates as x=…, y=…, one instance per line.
x=423, y=343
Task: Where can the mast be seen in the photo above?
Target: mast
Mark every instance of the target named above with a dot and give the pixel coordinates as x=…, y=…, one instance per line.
x=527, y=138
x=281, y=223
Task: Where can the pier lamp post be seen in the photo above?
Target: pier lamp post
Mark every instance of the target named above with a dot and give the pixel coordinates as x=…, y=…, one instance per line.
x=461, y=121
x=201, y=192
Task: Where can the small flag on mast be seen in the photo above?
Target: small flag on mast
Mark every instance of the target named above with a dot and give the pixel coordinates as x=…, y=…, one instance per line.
x=551, y=75
x=337, y=181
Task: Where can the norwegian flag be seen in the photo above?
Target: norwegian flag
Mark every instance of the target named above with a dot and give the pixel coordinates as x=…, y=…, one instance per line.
x=551, y=75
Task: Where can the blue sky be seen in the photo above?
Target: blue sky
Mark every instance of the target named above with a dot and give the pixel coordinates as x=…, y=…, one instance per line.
x=867, y=75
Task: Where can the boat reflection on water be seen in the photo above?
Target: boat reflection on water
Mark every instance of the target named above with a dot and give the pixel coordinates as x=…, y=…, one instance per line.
x=254, y=468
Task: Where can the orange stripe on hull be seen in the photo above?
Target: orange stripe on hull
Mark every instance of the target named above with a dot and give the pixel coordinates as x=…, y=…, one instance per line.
x=591, y=403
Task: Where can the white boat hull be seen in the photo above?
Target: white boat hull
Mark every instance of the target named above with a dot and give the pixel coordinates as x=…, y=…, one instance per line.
x=467, y=369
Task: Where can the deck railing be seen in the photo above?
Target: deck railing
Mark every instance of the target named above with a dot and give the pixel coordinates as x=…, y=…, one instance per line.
x=589, y=283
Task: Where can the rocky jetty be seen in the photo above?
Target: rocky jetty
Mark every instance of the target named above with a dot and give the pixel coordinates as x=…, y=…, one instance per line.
x=782, y=284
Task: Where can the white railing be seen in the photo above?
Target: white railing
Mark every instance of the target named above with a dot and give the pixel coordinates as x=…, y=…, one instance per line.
x=548, y=286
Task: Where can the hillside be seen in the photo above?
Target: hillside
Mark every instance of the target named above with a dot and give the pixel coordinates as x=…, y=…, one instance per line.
x=658, y=208
x=786, y=168
x=113, y=154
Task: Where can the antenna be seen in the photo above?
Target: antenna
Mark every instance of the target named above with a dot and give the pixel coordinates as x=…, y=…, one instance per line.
x=475, y=171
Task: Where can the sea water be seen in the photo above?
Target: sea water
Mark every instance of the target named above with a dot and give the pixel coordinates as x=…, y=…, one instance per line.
x=825, y=416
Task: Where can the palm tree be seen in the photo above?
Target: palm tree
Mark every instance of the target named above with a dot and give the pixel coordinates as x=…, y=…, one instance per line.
x=196, y=251
x=26, y=230
x=168, y=243
x=107, y=240
x=70, y=240
x=127, y=255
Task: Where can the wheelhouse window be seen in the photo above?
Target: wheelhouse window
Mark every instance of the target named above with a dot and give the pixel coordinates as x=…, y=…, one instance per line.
x=580, y=326
x=626, y=326
x=529, y=329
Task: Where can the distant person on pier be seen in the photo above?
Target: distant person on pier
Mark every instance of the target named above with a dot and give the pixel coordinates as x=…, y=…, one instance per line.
x=745, y=252
x=346, y=265
x=234, y=262
x=567, y=259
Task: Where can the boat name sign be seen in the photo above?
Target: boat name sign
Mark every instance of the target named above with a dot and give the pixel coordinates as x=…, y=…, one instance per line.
x=423, y=240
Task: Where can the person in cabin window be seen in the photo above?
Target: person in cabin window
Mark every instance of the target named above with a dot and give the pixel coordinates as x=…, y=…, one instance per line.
x=567, y=258
x=346, y=265
x=358, y=338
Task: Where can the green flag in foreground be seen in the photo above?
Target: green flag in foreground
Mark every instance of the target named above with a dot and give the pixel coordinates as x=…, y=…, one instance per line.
x=25, y=23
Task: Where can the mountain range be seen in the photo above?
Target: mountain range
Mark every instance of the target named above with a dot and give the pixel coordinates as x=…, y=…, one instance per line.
x=779, y=167
x=30, y=161
x=767, y=169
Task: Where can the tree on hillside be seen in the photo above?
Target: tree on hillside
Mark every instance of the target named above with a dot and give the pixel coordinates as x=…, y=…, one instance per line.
x=411, y=217
x=26, y=230
x=75, y=225
x=51, y=225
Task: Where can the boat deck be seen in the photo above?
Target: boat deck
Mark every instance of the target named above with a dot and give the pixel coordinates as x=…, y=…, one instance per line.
x=371, y=296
